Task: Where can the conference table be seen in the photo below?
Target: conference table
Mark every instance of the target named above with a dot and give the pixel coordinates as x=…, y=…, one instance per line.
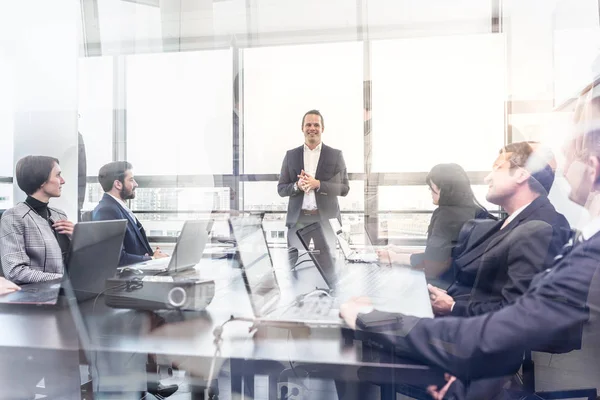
x=60, y=336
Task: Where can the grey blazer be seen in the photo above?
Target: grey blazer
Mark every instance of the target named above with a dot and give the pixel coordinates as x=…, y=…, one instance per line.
x=29, y=251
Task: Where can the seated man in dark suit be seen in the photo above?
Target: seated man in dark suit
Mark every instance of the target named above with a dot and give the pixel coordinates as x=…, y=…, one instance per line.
x=559, y=311
x=500, y=259
x=116, y=178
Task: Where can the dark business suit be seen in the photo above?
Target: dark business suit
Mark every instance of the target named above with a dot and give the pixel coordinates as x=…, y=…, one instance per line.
x=135, y=244
x=331, y=172
x=560, y=312
x=497, y=265
x=442, y=235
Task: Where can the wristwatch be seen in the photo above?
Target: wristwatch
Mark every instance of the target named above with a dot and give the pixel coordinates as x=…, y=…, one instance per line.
x=295, y=187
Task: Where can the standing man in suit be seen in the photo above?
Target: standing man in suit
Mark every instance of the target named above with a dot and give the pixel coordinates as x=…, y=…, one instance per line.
x=501, y=259
x=312, y=175
x=118, y=183
x=561, y=309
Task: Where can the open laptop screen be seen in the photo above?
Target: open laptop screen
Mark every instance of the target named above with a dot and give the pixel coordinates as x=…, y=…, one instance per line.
x=322, y=258
x=190, y=244
x=255, y=260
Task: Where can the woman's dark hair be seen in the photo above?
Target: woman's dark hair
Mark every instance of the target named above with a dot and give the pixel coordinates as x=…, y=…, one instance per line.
x=32, y=171
x=454, y=185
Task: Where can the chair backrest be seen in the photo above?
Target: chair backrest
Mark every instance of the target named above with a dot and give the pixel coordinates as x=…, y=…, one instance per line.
x=85, y=216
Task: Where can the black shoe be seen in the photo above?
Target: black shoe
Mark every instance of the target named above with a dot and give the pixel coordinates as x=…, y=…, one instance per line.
x=161, y=391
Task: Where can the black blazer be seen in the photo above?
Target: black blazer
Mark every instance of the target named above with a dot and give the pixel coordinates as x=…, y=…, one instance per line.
x=497, y=266
x=562, y=306
x=442, y=235
x=331, y=171
x=135, y=243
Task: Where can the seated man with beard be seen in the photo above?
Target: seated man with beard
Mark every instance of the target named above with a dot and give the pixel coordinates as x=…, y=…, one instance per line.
x=118, y=183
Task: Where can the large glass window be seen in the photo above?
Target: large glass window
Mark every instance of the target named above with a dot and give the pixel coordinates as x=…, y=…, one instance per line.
x=282, y=83
x=127, y=26
x=179, y=113
x=437, y=100
x=6, y=116
x=96, y=110
x=448, y=17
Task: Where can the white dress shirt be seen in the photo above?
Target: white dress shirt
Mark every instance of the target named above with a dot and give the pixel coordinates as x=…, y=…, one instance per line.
x=122, y=203
x=590, y=229
x=514, y=215
x=311, y=160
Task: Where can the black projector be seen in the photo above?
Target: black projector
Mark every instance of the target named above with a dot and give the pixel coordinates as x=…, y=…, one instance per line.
x=159, y=293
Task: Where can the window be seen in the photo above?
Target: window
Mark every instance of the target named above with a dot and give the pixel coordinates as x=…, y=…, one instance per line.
x=439, y=100
x=396, y=198
x=388, y=17
x=6, y=117
x=179, y=113
x=6, y=194
x=576, y=42
x=282, y=83
x=126, y=26
x=95, y=94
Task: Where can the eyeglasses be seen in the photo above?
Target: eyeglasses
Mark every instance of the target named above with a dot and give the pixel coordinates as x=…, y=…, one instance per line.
x=496, y=167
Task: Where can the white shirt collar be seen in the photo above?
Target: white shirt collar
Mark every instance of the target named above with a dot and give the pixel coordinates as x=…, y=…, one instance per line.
x=317, y=149
x=514, y=215
x=591, y=228
x=121, y=202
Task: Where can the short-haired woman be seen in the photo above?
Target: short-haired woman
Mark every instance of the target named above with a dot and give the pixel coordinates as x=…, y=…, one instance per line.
x=35, y=238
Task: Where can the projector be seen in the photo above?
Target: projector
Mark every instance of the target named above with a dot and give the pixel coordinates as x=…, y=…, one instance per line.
x=159, y=293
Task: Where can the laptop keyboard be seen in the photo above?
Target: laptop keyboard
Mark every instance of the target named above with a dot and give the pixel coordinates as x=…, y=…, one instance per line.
x=371, y=278
x=311, y=307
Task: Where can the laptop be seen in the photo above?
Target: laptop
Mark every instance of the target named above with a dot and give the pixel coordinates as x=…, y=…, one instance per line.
x=187, y=253
x=263, y=289
x=393, y=289
x=93, y=257
x=34, y=293
x=349, y=254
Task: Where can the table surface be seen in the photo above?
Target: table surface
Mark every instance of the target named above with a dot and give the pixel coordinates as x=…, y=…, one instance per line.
x=187, y=335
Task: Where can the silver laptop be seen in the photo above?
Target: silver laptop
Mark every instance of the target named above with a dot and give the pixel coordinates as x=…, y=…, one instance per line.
x=187, y=253
x=349, y=254
x=390, y=288
x=315, y=309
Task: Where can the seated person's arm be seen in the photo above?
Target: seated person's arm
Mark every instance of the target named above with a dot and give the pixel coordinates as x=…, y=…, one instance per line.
x=15, y=261
x=110, y=214
x=492, y=344
x=7, y=286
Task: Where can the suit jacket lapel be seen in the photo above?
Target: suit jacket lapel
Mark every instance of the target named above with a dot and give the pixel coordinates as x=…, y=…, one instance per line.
x=321, y=160
x=537, y=203
x=470, y=254
x=133, y=222
x=300, y=158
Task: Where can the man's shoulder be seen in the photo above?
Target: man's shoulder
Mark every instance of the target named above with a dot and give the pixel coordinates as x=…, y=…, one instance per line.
x=106, y=204
x=296, y=149
x=330, y=149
